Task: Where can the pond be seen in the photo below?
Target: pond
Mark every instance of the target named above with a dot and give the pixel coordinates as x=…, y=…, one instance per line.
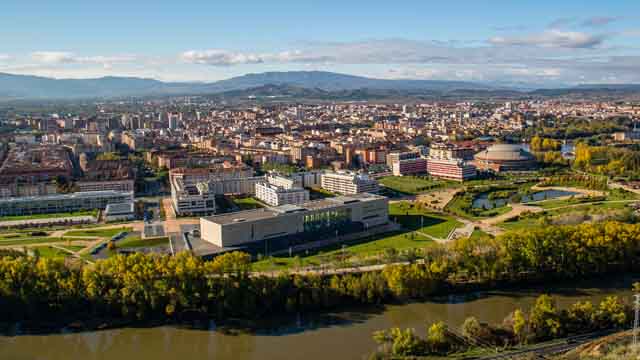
x=482, y=201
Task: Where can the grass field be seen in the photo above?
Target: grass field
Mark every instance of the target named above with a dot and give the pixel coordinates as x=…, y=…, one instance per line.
x=74, y=248
x=50, y=252
x=93, y=213
x=138, y=242
x=98, y=232
x=415, y=219
x=248, y=203
x=412, y=219
x=38, y=240
x=534, y=220
x=376, y=245
x=411, y=185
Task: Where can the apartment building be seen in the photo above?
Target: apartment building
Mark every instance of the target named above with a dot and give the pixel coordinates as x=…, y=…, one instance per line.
x=451, y=169
x=113, y=185
x=193, y=191
x=409, y=166
x=275, y=195
x=348, y=183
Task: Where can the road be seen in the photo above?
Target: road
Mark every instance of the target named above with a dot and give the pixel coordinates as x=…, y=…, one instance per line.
x=546, y=349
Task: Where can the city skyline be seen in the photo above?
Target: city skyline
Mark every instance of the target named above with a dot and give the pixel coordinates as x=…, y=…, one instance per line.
x=541, y=43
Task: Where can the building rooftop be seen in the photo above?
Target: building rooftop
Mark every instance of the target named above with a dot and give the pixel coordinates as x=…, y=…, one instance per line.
x=120, y=208
x=79, y=195
x=504, y=152
x=265, y=213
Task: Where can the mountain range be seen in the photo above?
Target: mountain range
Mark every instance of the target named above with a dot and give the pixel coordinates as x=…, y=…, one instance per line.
x=294, y=83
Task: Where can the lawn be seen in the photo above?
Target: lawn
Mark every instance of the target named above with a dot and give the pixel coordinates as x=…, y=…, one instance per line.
x=98, y=232
x=478, y=234
x=380, y=243
x=74, y=248
x=50, y=252
x=35, y=240
x=93, y=213
x=138, y=242
x=248, y=203
x=414, y=218
x=534, y=220
x=411, y=185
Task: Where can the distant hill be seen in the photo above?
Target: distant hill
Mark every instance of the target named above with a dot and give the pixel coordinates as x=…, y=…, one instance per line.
x=294, y=84
x=35, y=87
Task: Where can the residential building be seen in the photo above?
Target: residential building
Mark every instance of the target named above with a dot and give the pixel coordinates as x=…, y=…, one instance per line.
x=277, y=195
x=451, y=169
x=409, y=166
x=348, y=183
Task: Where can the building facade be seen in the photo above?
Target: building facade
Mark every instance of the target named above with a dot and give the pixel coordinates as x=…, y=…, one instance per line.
x=307, y=222
x=276, y=195
x=348, y=183
x=409, y=166
x=62, y=203
x=451, y=169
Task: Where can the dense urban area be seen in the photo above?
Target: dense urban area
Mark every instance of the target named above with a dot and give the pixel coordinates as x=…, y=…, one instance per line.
x=167, y=209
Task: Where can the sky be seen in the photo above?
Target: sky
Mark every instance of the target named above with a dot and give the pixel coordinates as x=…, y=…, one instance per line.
x=560, y=42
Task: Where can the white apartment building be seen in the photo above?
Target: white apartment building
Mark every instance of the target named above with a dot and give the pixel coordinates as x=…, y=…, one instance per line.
x=348, y=183
x=275, y=195
x=193, y=191
x=114, y=185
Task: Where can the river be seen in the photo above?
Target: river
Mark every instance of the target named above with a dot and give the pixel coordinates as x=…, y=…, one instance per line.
x=339, y=335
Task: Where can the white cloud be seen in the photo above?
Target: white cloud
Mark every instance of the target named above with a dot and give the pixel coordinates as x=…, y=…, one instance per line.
x=218, y=57
x=553, y=39
x=600, y=21
x=63, y=57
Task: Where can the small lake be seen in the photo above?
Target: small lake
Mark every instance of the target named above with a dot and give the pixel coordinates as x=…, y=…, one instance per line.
x=483, y=201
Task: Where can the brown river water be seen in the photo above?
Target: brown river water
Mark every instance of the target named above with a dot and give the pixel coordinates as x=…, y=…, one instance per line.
x=334, y=336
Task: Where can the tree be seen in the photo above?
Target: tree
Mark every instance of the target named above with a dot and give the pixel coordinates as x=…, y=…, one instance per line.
x=611, y=313
x=543, y=318
x=437, y=337
x=471, y=327
x=519, y=325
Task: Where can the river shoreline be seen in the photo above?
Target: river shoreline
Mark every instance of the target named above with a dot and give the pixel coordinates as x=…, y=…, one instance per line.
x=452, y=293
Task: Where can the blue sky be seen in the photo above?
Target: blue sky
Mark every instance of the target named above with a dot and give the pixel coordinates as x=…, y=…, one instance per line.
x=539, y=42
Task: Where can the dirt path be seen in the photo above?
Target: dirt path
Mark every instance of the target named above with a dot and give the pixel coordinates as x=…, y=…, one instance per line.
x=581, y=192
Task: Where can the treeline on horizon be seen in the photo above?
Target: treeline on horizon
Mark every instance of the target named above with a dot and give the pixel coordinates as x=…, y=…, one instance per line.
x=142, y=287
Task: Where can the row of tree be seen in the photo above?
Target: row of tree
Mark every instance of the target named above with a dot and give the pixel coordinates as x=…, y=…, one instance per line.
x=146, y=287
x=545, y=144
x=607, y=160
x=544, y=321
x=577, y=180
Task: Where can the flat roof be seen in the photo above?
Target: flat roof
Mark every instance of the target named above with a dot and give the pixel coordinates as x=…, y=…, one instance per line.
x=270, y=212
x=119, y=208
x=79, y=195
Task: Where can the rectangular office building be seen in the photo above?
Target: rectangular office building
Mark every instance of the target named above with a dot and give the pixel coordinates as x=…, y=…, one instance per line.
x=295, y=224
x=62, y=203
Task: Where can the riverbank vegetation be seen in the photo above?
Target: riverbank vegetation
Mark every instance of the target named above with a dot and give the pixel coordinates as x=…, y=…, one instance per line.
x=151, y=287
x=543, y=322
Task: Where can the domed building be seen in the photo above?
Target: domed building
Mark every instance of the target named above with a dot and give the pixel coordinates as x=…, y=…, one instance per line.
x=505, y=157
